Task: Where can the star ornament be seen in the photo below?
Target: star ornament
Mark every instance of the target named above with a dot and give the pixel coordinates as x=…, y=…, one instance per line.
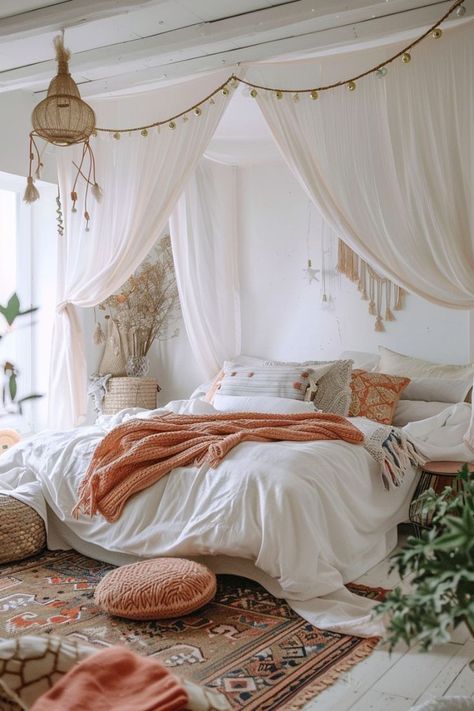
x=311, y=274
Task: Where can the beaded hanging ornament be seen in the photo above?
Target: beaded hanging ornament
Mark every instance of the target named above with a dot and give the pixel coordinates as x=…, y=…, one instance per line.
x=63, y=119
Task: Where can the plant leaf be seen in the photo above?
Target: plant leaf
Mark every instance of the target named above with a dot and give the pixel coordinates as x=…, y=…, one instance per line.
x=12, y=386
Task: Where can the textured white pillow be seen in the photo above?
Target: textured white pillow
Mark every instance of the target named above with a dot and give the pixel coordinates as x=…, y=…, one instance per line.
x=333, y=392
x=438, y=389
x=361, y=360
x=394, y=363
x=414, y=410
x=258, y=380
x=277, y=405
x=203, y=389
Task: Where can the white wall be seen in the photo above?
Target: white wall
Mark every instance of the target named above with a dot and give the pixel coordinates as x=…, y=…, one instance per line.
x=282, y=315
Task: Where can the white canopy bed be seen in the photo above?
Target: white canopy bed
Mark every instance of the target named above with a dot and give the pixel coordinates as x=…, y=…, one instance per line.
x=319, y=515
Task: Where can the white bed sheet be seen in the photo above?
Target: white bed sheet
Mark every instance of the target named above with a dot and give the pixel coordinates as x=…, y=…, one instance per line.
x=303, y=518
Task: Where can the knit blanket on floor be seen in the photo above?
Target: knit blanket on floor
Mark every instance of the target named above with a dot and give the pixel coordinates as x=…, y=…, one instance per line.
x=138, y=453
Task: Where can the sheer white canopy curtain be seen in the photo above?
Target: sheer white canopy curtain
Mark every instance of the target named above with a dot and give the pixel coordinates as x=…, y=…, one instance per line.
x=203, y=229
x=391, y=164
x=142, y=179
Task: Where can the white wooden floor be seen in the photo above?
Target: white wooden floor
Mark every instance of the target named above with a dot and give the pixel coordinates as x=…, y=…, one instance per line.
x=407, y=677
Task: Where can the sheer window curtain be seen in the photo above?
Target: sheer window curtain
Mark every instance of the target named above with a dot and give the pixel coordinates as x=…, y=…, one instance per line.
x=391, y=164
x=203, y=229
x=142, y=179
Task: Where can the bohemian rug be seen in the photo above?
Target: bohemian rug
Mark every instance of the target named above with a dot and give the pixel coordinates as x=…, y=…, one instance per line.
x=247, y=644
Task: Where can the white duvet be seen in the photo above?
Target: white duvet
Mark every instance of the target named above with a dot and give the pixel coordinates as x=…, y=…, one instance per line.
x=303, y=518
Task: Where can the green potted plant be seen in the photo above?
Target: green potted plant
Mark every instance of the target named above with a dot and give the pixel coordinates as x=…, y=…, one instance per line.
x=441, y=562
x=10, y=403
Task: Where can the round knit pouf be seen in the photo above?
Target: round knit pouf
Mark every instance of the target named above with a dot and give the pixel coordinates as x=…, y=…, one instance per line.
x=22, y=531
x=156, y=589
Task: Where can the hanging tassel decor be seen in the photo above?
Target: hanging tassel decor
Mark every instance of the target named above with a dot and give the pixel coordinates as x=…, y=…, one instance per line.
x=372, y=309
x=378, y=321
x=399, y=303
x=370, y=285
x=388, y=302
x=99, y=335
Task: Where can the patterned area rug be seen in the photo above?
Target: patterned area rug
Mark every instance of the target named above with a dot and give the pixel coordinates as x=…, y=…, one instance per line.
x=246, y=643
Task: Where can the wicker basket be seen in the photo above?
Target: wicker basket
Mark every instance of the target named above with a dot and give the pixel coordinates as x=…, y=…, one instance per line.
x=129, y=392
x=22, y=531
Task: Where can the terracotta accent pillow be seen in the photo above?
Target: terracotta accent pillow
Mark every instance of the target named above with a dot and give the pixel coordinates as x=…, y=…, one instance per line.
x=156, y=589
x=375, y=395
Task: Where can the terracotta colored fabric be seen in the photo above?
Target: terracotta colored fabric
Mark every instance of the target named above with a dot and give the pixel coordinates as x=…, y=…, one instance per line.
x=138, y=453
x=115, y=679
x=375, y=395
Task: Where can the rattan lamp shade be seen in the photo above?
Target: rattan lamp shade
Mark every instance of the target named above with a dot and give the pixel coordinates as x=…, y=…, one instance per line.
x=63, y=118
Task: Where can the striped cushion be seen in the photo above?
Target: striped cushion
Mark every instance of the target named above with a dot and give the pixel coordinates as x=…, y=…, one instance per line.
x=282, y=381
x=332, y=392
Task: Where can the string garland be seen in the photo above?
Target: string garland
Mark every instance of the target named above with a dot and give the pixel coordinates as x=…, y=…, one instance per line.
x=233, y=81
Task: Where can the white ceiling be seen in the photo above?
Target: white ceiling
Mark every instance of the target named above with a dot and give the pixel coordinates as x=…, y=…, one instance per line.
x=121, y=46
x=124, y=44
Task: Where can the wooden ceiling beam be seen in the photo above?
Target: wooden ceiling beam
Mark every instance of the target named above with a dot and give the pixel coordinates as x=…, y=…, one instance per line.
x=302, y=26
x=310, y=42
x=189, y=43
x=52, y=18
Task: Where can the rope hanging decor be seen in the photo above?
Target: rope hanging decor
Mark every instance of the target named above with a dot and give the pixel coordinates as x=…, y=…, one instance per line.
x=378, y=291
x=63, y=119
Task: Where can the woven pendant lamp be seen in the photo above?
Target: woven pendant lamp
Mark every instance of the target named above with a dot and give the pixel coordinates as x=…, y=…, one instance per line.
x=63, y=119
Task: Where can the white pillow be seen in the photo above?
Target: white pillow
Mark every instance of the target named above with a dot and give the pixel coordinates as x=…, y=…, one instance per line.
x=438, y=389
x=258, y=380
x=361, y=360
x=333, y=388
x=414, y=410
x=394, y=363
x=278, y=405
x=203, y=388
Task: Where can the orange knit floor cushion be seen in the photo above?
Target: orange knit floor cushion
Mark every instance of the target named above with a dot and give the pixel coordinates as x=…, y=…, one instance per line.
x=156, y=589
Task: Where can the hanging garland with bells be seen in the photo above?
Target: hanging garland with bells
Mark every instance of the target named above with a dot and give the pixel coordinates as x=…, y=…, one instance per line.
x=64, y=119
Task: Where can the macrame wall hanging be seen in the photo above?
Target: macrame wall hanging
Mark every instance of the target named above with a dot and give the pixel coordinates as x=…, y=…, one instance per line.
x=63, y=119
x=383, y=296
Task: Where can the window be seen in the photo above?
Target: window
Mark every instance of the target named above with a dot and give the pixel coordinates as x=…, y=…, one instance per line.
x=27, y=268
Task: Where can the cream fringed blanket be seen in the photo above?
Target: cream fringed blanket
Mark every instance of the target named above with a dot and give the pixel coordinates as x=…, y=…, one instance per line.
x=134, y=455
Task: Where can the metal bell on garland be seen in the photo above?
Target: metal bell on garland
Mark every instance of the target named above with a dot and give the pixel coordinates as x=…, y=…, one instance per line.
x=63, y=119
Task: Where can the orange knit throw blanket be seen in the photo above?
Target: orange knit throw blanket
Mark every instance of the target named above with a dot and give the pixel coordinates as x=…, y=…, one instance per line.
x=115, y=679
x=138, y=453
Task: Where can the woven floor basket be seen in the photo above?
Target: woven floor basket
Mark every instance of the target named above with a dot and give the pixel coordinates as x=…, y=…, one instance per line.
x=22, y=531
x=129, y=392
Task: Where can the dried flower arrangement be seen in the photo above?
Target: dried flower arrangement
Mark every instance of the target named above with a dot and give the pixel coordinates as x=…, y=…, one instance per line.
x=145, y=309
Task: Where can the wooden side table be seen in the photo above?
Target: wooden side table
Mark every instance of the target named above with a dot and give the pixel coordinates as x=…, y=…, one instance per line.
x=436, y=476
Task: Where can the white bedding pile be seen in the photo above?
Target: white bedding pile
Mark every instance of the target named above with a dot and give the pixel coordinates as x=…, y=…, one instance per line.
x=303, y=518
